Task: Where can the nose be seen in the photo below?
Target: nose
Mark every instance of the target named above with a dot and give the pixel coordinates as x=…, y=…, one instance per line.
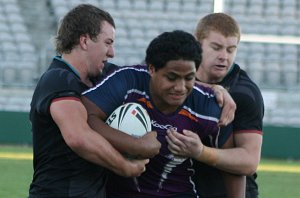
x=179, y=86
x=111, y=52
x=223, y=55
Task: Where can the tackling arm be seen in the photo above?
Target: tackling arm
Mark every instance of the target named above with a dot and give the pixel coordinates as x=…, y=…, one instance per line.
x=189, y=144
x=243, y=159
x=71, y=118
x=144, y=147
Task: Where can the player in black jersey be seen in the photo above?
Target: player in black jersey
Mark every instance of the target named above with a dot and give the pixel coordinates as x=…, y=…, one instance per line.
x=69, y=157
x=219, y=35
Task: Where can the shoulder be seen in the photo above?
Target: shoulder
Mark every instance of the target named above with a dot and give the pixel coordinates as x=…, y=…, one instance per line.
x=121, y=80
x=240, y=85
x=245, y=89
x=199, y=89
x=126, y=74
x=58, y=77
x=202, y=100
x=137, y=69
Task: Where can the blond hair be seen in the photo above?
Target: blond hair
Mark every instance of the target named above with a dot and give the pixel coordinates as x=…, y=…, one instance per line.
x=219, y=22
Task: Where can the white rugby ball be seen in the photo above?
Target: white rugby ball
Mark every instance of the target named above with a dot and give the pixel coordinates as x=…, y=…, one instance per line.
x=130, y=118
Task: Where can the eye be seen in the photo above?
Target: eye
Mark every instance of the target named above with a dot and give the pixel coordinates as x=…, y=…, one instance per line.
x=190, y=77
x=109, y=42
x=171, y=77
x=216, y=48
x=231, y=50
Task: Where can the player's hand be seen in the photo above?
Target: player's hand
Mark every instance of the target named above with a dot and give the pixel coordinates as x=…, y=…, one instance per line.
x=227, y=103
x=134, y=167
x=149, y=144
x=187, y=144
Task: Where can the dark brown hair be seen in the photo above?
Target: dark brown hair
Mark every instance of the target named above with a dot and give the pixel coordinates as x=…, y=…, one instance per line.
x=83, y=19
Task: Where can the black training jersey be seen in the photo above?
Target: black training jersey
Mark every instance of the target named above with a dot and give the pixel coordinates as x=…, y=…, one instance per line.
x=58, y=171
x=248, y=119
x=249, y=101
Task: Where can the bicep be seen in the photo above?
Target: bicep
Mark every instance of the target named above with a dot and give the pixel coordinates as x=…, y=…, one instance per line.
x=70, y=116
x=250, y=141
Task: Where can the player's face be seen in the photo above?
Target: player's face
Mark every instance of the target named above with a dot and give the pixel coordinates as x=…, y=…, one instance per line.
x=217, y=57
x=99, y=50
x=170, y=85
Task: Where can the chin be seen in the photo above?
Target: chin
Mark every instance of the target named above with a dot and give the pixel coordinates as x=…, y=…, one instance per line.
x=177, y=103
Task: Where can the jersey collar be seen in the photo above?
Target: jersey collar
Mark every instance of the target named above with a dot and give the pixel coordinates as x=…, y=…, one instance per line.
x=59, y=58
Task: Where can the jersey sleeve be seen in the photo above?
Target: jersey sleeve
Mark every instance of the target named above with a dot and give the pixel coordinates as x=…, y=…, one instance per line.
x=211, y=134
x=217, y=140
x=63, y=84
x=225, y=133
x=249, y=114
x=111, y=91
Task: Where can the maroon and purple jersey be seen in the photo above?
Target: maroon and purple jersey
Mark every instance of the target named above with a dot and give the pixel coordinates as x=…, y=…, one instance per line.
x=166, y=175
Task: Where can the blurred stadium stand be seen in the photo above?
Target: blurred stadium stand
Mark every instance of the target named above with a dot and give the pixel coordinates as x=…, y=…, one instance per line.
x=27, y=29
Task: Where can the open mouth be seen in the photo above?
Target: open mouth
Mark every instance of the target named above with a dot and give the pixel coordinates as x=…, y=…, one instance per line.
x=221, y=66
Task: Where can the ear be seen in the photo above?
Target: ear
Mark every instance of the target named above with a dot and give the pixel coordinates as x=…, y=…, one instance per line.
x=151, y=69
x=83, y=40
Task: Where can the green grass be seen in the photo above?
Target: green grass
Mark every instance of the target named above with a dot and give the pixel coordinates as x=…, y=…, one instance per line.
x=278, y=184
x=16, y=176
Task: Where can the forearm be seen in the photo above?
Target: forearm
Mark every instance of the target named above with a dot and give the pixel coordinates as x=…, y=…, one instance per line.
x=96, y=149
x=124, y=143
x=235, y=185
x=233, y=160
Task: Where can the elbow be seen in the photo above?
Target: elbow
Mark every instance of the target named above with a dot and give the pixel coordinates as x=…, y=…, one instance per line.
x=247, y=168
x=251, y=168
x=246, y=171
x=75, y=143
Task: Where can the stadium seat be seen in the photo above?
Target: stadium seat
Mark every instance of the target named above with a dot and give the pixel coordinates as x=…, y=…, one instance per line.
x=173, y=6
x=124, y=4
x=156, y=6
x=110, y=5
x=189, y=6
x=141, y=5
x=11, y=8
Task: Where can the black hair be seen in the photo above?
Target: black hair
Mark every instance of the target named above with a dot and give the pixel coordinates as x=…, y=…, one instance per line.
x=173, y=45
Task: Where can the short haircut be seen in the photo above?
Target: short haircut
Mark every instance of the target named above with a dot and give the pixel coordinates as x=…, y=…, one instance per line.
x=84, y=19
x=219, y=22
x=176, y=45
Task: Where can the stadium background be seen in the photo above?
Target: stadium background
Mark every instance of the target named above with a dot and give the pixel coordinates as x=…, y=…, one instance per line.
x=268, y=51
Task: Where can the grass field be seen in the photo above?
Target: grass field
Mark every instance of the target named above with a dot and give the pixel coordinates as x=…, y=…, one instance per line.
x=277, y=178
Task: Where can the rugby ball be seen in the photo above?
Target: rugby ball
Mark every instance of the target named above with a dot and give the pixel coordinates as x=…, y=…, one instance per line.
x=131, y=118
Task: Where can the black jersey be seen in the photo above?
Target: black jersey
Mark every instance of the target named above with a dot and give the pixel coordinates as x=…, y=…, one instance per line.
x=58, y=171
x=248, y=119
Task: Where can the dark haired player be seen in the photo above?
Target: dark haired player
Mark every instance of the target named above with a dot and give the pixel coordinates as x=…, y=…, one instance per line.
x=165, y=87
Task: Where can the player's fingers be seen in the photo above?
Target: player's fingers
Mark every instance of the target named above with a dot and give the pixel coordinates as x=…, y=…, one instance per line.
x=172, y=146
x=219, y=93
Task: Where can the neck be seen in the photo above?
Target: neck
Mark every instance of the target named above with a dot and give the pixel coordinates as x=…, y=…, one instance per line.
x=202, y=77
x=78, y=65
